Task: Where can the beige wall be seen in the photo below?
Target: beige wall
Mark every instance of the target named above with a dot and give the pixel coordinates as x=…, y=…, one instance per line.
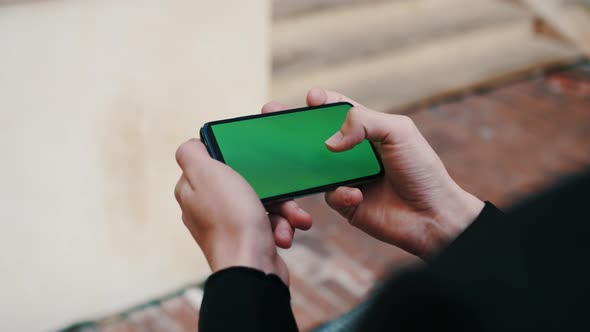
x=94, y=98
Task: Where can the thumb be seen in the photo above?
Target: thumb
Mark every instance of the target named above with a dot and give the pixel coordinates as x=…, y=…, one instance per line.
x=362, y=123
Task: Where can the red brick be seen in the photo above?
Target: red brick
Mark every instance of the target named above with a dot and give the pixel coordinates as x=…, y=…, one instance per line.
x=182, y=312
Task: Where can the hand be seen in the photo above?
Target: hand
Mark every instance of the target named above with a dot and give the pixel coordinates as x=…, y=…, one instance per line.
x=225, y=216
x=416, y=205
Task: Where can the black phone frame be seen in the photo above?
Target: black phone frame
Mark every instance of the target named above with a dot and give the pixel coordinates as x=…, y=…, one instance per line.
x=208, y=138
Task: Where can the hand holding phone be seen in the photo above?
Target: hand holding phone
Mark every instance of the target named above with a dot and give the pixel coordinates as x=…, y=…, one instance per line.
x=416, y=206
x=224, y=215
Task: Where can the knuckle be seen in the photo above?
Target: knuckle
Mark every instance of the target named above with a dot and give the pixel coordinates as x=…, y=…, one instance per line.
x=185, y=220
x=177, y=193
x=354, y=112
x=406, y=123
x=354, y=126
x=353, y=115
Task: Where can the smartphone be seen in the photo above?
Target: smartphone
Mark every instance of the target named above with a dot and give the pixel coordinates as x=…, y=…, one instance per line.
x=283, y=155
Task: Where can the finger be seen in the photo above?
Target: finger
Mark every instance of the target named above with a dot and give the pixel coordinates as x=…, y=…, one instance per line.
x=344, y=200
x=192, y=157
x=363, y=123
x=283, y=232
x=319, y=96
x=181, y=189
x=291, y=211
x=273, y=106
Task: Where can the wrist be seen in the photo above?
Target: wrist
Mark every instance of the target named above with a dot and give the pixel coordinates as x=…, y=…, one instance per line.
x=247, y=252
x=462, y=208
x=457, y=211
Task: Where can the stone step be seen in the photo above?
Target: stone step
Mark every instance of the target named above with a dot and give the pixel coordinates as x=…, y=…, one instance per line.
x=322, y=39
x=288, y=8
x=396, y=79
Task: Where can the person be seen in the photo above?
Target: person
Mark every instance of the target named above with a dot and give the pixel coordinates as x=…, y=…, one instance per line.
x=486, y=270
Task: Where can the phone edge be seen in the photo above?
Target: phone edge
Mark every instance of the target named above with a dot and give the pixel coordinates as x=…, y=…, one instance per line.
x=210, y=142
x=328, y=187
x=292, y=110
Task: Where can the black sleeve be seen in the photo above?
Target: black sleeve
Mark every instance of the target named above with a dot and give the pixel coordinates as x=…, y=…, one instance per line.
x=246, y=299
x=526, y=270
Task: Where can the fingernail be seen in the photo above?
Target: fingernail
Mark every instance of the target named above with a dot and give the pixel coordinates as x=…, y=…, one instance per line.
x=335, y=139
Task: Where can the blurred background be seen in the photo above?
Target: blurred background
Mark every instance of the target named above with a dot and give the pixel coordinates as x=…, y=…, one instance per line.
x=95, y=96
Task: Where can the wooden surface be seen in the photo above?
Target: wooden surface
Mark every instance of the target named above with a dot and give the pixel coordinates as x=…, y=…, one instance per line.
x=502, y=145
x=394, y=54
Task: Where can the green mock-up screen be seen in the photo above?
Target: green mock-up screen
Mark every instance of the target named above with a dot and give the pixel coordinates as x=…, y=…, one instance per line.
x=286, y=153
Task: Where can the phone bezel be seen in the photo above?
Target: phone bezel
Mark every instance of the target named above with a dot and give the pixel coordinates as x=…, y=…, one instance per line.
x=208, y=138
